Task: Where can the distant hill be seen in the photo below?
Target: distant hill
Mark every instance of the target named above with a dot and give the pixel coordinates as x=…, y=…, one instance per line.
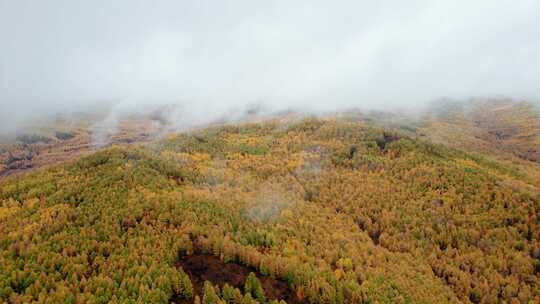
x=504, y=130
x=56, y=140
x=493, y=127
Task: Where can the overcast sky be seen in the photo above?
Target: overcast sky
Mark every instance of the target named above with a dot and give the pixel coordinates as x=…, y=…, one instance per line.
x=213, y=55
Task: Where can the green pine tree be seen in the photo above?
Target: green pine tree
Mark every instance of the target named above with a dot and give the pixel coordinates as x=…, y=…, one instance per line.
x=253, y=286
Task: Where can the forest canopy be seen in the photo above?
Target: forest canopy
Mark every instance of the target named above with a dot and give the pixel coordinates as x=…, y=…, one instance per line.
x=339, y=211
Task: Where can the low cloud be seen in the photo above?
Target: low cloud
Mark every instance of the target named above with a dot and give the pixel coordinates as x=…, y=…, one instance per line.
x=212, y=60
x=268, y=204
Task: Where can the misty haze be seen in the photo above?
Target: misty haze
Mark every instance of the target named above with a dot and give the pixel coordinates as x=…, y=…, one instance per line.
x=269, y=151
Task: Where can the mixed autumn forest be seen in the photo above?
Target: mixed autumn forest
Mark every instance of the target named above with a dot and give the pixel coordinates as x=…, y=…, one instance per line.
x=439, y=207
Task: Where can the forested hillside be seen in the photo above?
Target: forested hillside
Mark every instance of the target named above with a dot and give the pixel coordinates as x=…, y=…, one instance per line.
x=504, y=129
x=58, y=139
x=305, y=211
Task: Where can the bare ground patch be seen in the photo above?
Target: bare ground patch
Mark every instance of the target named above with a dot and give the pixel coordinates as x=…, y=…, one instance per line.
x=205, y=267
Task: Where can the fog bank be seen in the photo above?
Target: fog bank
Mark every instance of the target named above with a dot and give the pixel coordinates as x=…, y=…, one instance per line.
x=212, y=57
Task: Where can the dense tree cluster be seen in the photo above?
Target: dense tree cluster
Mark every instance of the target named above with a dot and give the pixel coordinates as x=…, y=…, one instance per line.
x=341, y=212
